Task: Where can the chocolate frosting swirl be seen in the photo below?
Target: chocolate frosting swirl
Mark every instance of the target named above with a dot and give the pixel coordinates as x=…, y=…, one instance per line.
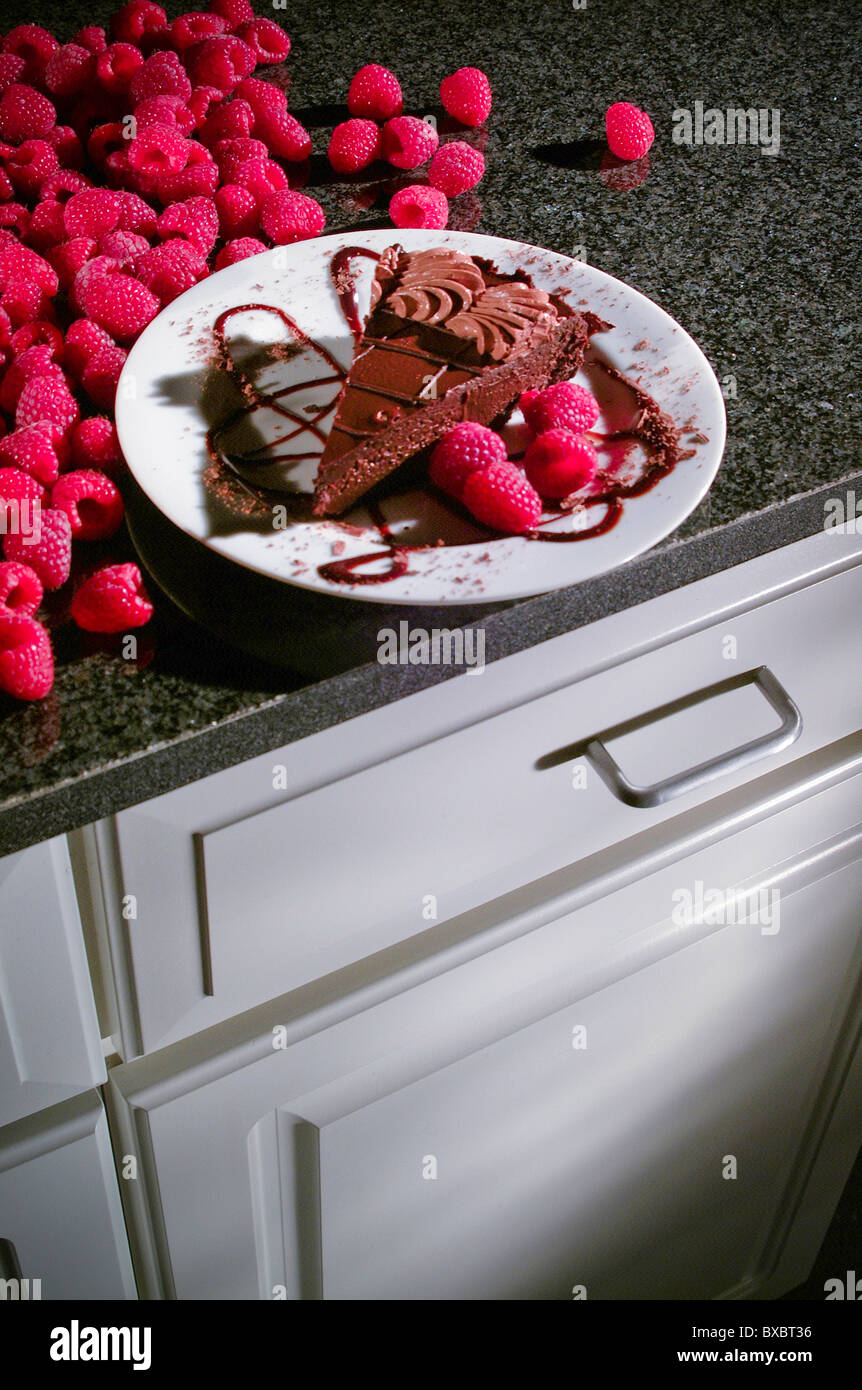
x=435, y=285
x=502, y=317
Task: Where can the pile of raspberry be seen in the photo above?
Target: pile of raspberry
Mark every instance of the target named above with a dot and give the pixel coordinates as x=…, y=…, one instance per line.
x=132, y=163
x=378, y=130
x=471, y=463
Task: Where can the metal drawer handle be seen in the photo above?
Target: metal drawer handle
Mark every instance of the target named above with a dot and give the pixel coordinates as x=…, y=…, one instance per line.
x=682, y=782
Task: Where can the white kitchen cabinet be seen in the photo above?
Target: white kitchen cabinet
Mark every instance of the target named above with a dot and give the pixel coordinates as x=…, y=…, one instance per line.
x=300, y=864
x=61, y=1220
x=430, y=1126
x=49, y=1036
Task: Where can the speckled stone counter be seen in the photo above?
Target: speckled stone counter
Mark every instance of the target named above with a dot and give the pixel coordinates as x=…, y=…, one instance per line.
x=756, y=255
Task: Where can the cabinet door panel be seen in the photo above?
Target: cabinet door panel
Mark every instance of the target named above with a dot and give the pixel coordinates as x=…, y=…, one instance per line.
x=601, y=1166
x=49, y=1035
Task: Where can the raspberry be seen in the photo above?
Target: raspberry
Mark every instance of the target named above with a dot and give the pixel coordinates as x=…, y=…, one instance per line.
x=35, y=45
x=16, y=217
x=112, y=600
x=237, y=211
x=68, y=148
x=171, y=269
x=229, y=155
x=69, y=70
x=19, y=262
x=26, y=659
x=91, y=502
x=106, y=140
x=419, y=206
x=375, y=92
x=266, y=39
x=17, y=487
x=354, y=145
x=100, y=376
x=238, y=250
x=158, y=149
x=137, y=19
x=195, y=181
x=31, y=450
x=6, y=189
x=193, y=27
x=136, y=215
x=70, y=257
x=164, y=110
x=34, y=361
x=196, y=219
x=231, y=122
x=559, y=462
x=408, y=142
x=47, y=400
x=93, y=270
x=123, y=247
x=92, y=212
x=50, y=555
x=95, y=445
x=162, y=75
x=233, y=12
x=119, y=304
x=92, y=37
x=60, y=186
x=463, y=450
x=563, y=406
x=220, y=62
x=11, y=68
x=501, y=497
x=25, y=114
x=455, y=168
x=630, y=131
x=286, y=217
x=284, y=136
x=262, y=96
x=116, y=67
x=200, y=102
x=83, y=340
x=466, y=95
x=20, y=589
x=38, y=334
x=23, y=302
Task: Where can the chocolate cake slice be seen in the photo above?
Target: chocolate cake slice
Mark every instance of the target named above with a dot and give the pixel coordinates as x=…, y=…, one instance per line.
x=448, y=338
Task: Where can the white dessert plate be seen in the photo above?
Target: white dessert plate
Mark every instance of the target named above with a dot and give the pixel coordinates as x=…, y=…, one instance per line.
x=171, y=393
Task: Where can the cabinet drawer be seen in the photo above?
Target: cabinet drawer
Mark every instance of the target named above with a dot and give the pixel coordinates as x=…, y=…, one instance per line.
x=49, y=1035
x=233, y=904
x=61, y=1222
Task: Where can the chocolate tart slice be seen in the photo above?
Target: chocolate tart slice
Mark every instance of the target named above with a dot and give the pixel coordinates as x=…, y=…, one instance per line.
x=447, y=339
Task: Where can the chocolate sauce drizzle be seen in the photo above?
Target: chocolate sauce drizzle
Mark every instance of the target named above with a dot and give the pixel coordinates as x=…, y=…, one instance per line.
x=653, y=430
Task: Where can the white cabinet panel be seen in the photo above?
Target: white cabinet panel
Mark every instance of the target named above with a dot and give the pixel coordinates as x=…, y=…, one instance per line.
x=291, y=1152
x=49, y=1035
x=59, y=1204
x=242, y=891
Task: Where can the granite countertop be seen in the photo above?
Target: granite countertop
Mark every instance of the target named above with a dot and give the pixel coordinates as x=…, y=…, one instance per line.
x=754, y=254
